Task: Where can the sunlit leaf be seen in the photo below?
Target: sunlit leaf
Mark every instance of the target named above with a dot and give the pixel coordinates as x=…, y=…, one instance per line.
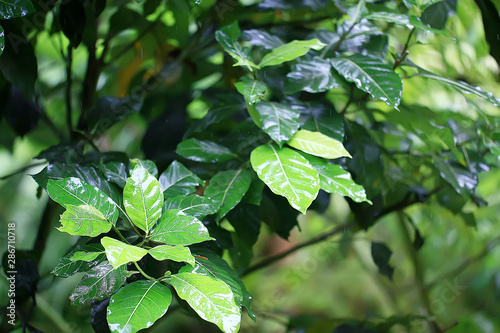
x=83, y=220
x=212, y=300
x=228, y=188
x=119, y=253
x=372, y=76
x=177, y=253
x=318, y=144
x=253, y=90
x=15, y=8
x=286, y=173
x=227, y=37
x=204, y=151
x=138, y=305
x=143, y=198
x=176, y=228
x=98, y=283
x=278, y=120
x=290, y=51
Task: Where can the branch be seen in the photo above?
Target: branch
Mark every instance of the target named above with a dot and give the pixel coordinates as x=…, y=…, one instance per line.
x=405, y=51
x=270, y=260
x=22, y=170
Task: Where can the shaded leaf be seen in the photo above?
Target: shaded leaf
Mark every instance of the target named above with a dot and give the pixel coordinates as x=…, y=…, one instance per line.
x=176, y=228
x=227, y=37
x=210, y=264
x=177, y=253
x=381, y=255
x=138, y=305
x=178, y=180
x=253, y=90
x=212, y=299
x=491, y=23
x=325, y=120
x=72, y=20
x=372, y=76
x=193, y=205
x=261, y=38
x=98, y=283
x=462, y=181
x=15, y=8
x=245, y=219
x=72, y=191
x=2, y=40
x=204, y=151
x=84, y=220
x=318, y=144
x=228, y=188
x=286, y=173
x=119, y=253
x=290, y=51
x=278, y=120
x=312, y=76
x=115, y=172
x=143, y=198
x=67, y=267
x=108, y=111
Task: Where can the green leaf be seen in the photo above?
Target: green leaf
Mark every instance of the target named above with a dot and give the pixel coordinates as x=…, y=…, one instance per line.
x=108, y=111
x=176, y=228
x=115, y=172
x=212, y=300
x=286, y=173
x=463, y=87
x=119, y=253
x=278, y=120
x=178, y=180
x=228, y=188
x=334, y=179
x=72, y=191
x=253, y=90
x=15, y=8
x=290, y=51
x=149, y=165
x=325, y=120
x=462, y=181
x=372, y=76
x=312, y=76
x=86, y=256
x=143, y=198
x=204, y=151
x=138, y=305
x=318, y=144
x=83, y=220
x=193, y=205
x=405, y=20
x=98, y=283
x=67, y=267
x=210, y=264
x=381, y=255
x=176, y=253
x=227, y=37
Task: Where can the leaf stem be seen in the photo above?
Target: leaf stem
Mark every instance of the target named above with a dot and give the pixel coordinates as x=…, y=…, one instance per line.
x=120, y=234
x=130, y=221
x=405, y=51
x=144, y=273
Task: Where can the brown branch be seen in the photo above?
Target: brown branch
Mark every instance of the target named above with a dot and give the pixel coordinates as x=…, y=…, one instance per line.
x=270, y=260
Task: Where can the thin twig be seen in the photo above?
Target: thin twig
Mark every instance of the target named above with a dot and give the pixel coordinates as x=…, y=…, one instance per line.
x=23, y=169
x=405, y=51
x=268, y=261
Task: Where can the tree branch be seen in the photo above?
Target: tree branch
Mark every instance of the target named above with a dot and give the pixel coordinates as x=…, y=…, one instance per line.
x=270, y=260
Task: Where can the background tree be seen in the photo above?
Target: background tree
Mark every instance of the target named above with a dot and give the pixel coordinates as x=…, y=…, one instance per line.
x=306, y=166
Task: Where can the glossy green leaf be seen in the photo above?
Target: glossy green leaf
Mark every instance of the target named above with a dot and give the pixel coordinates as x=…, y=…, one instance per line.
x=137, y=306
x=115, y=172
x=67, y=267
x=212, y=300
x=327, y=121
x=253, y=90
x=210, y=264
x=176, y=228
x=15, y=8
x=86, y=256
x=372, y=76
x=119, y=253
x=334, y=179
x=463, y=87
x=149, y=165
x=405, y=20
x=83, y=220
x=177, y=253
x=204, y=151
x=290, y=51
x=193, y=205
x=227, y=37
x=228, y=188
x=278, y=120
x=72, y=191
x=462, y=180
x=286, y=173
x=312, y=76
x=262, y=38
x=143, y=198
x=98, y=283
x=318, y=144
x=178, y=180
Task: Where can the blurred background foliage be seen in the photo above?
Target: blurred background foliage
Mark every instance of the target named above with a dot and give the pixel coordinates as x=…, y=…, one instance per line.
x=332, y=282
